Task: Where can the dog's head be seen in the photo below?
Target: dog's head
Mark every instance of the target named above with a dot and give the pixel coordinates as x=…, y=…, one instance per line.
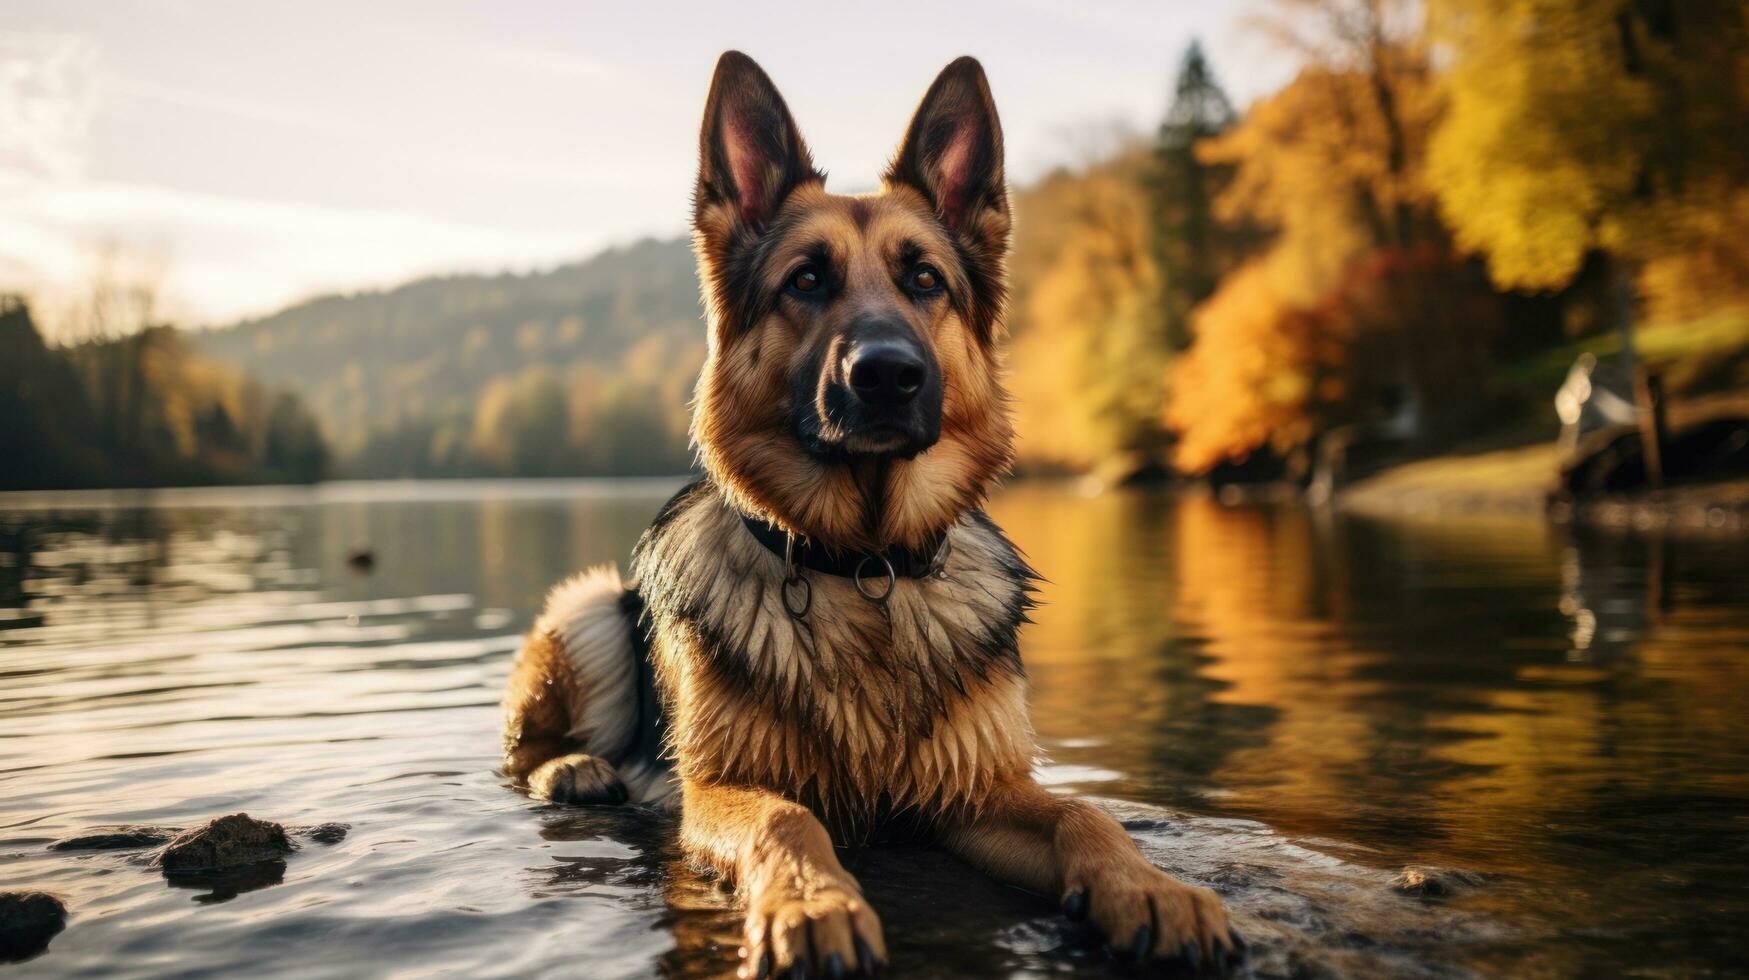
x=852, y=389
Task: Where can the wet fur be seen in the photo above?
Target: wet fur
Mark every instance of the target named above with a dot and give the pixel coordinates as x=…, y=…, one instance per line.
x=861, y=711
x=782, y=735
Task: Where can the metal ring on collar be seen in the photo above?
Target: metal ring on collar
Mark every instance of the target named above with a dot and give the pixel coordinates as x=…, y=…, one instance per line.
x=797, y=608
x=892, y=579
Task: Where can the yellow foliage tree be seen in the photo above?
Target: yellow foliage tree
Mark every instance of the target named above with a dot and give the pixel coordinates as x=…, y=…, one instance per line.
x=1336, y=172
x=1706, y=262
x=1577, y=125
x=520, y=425
x=1087, y=365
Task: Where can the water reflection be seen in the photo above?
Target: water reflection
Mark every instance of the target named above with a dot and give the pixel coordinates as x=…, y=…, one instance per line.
x=1543, y=704
x=1558, y=710
x=222, y=886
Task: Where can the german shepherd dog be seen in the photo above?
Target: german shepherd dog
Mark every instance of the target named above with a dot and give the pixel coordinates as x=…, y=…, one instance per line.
x=819, y=636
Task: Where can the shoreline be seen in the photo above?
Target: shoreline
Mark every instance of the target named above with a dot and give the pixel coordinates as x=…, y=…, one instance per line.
x=1516, y=483
x=1520, y=482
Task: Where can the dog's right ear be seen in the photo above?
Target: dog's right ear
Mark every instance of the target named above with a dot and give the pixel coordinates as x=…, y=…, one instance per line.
x=750, y=154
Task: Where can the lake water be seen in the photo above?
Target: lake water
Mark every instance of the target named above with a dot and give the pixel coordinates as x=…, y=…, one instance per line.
x=1289, y=705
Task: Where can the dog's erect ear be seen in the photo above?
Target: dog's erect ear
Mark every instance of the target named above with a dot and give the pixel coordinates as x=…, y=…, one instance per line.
x=750, y=155
x=953, y=154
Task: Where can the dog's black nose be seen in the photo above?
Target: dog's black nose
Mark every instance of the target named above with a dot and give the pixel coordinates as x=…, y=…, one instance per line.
x=886, y=373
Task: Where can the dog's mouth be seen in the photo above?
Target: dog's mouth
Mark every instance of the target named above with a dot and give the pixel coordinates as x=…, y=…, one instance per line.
x=883, y=440
x=897, y=439
x=835, y=425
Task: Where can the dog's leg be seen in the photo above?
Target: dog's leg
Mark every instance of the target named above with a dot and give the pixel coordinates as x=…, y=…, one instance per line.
x=571, y=710
x=538, y=750
x=1072, y=851
x=805, y=914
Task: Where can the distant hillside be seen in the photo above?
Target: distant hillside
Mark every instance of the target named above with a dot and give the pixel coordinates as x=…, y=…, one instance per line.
x=140, y=410
x=581, y=369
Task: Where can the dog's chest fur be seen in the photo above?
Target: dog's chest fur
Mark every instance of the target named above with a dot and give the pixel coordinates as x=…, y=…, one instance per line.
x=857, y=707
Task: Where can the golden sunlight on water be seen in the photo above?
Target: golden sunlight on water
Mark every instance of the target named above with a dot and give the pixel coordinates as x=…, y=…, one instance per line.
x=1557, y=709
x=1288, y=704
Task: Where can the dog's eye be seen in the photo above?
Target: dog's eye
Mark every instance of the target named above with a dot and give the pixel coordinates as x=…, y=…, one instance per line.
x=924, y=279
x=806, y=279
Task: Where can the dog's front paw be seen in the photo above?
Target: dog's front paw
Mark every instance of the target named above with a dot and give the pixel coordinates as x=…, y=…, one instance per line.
x=577, y=778
x=828, y=932
x=1147, y=914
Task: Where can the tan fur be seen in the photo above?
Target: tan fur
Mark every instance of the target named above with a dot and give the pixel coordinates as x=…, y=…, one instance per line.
x=1059, y=846
x=538, y=705
x=582, y=617
x=802, y=906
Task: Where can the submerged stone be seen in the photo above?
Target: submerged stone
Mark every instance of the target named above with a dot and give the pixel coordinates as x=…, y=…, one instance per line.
x=1425, y=881
x=28, y=920
x=226, y=842
x=327, y=833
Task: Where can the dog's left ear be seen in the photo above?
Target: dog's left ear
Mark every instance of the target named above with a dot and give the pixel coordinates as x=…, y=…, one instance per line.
x=953, y=154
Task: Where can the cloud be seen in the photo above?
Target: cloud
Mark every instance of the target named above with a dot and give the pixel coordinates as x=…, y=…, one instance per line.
x=518, y=168
x=225, y=105
x=224, y=256
x=233, y=256
x=48, y=95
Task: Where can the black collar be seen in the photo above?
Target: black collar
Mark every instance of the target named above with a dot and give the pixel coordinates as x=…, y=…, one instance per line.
x=906, y=562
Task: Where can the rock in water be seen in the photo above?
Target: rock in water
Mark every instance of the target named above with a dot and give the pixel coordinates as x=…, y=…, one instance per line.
x=1423, y=881
x=328, y=833
x=227, y=842
x=28, y=920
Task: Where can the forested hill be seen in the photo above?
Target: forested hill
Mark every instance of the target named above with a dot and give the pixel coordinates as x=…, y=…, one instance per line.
x=581, y=369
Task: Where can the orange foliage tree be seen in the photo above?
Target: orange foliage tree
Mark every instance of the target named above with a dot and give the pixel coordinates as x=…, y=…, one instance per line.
x=1260, y=373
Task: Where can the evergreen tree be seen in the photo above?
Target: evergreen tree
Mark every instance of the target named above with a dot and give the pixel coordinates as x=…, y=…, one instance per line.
x=1193, y=249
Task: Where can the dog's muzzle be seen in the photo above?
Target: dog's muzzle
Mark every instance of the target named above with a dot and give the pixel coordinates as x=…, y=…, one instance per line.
x=883, y=396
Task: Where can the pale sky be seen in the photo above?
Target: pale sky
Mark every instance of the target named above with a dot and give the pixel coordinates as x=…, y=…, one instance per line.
x=253, y=153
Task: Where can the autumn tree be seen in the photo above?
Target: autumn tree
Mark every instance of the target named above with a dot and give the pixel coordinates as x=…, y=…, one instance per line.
x=521, y=424
x=1333, y=167
x=1258, y=376
x=1371, y=56
x=120, y=305
x=192, y=420
x=1334, y=162
x=1088, y=360
x=1584, y=125
x=292, y=442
